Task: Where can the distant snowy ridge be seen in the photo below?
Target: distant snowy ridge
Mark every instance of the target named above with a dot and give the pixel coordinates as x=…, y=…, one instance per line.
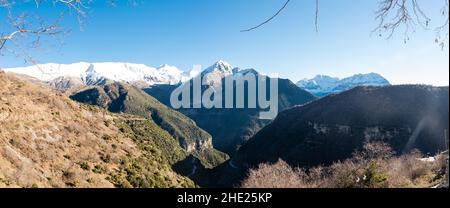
x=323, y=85
x=90, y=73
x=137, y=74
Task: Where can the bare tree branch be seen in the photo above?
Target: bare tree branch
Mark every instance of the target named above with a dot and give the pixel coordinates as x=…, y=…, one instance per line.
x=316, y=21
x=396, y=14
x=270, y=19
x=442, y=32
x=25, y=24
x=392, y=15
x=23, y=28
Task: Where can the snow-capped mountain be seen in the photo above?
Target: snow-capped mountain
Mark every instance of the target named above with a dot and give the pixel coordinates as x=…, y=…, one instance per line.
x=221, y=69
x=91, y=73
x=323, y=85
x=319, y=84
x=214, y=74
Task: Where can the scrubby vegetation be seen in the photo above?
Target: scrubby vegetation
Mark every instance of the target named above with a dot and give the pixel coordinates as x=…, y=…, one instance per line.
x=144, y=173
x=120, y=97
x=150, y=138
x=153, y=168
x=210, y=157
x=81, y=146
x=376, y=166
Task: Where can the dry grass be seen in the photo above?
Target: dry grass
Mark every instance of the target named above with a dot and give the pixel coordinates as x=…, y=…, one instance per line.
x=47, y=140
x=374, y=167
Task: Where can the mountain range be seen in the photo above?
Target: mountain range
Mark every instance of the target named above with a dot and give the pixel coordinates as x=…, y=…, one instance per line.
x=65, y=76
x=160, y=82
x=322, y=85
x=95, y=83
x=122, y=132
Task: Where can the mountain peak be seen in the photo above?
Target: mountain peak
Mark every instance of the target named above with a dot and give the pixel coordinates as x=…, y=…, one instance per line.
x=213, y=74
x=164, y=66
x=222, y=62
x=222, y=66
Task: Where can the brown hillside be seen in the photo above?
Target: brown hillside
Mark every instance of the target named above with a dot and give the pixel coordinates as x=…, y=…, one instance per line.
x=47, y=140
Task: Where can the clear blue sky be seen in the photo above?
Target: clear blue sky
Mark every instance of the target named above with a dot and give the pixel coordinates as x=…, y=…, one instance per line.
x=188, y=32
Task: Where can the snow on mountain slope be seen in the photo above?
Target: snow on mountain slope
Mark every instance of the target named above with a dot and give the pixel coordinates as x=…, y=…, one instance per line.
x=91, y=73
x=214, y=74
x=66, y=76
x=320, y=83
x=323, y=85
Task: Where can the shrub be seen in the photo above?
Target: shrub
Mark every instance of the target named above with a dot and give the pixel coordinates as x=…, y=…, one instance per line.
x=106, y=158
x=278, y=175
x=70, y=178
x=85, y=166
x=98, y=169
x=374, y=177
x=376, y=151
x=106, y=137
x=440, y=164
x=90, y=180
x=107, y=123
x=346, y=174
x=373, y=167
x=409, y=171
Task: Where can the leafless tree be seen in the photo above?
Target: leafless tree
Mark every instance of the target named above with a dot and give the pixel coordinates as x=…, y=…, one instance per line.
x=392, y=15
x=26, y=25
x=22, y=30
x=407, y=14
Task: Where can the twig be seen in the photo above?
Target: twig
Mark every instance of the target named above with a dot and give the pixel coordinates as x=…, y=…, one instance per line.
x=316, y=23
x=270, y=19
